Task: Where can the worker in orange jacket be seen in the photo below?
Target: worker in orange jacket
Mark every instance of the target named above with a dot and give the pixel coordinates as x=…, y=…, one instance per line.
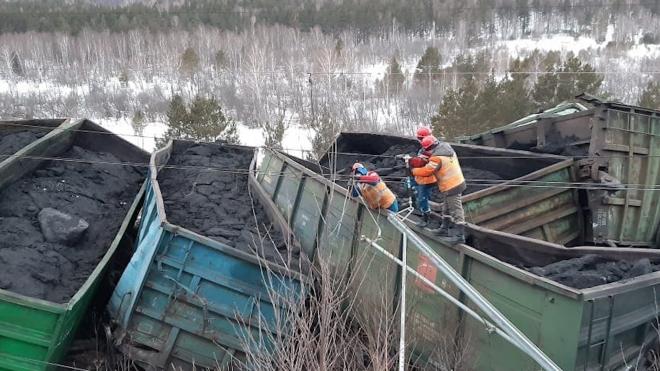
x=444, y=171
x=421, y=186
x=373, y=190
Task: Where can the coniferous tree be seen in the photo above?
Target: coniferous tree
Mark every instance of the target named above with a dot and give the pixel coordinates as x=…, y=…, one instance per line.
x=576, y=78
x=545, y=89
x=458, y=112
x=514, y=94
x=650, y=97
x=488, y=104
x=428, y=66
x=189, y=61
x=220, y=59
x=203, y=121
x=394, y=77
x=17, y=65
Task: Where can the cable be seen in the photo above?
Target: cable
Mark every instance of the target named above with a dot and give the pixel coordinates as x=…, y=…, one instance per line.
x=330, y=153
x=391, y=179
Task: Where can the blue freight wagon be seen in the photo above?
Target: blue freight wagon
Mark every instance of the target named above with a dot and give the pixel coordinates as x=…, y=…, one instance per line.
x=187, y=299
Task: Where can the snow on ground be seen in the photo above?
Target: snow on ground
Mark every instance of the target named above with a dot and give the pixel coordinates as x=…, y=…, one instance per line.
x=296, y=141
x=563, y=43
x=123, y=128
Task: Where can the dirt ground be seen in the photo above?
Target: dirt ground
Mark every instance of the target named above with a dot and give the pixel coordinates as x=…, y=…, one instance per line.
x=99, y=194
x=218, y=204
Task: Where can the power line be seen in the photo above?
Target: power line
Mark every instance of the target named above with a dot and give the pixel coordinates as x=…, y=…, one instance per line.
x=387, y=179
x=353, y=154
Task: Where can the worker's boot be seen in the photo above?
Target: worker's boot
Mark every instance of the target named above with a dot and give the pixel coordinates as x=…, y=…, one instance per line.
x=455, y=234
x=443, y=230
x=425, y=220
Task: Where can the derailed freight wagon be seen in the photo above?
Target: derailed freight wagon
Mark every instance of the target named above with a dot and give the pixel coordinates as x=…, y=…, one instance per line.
x=50, y=276
x=16, y=135
x=194, y=289
x=494, y=198
x=603, y=327
x=613, y=144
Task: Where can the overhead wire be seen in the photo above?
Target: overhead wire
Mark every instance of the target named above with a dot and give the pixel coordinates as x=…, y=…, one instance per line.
x=331, y=152
x=387, y=179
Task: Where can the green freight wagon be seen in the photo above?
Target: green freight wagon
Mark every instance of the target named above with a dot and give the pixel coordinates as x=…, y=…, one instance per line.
x=612, y=143
x=600, y=328
x=35, y=333
x=526, y=202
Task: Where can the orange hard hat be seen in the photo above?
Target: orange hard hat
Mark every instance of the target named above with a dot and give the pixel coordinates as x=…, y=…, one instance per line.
x=429, y=142
x=423, y=132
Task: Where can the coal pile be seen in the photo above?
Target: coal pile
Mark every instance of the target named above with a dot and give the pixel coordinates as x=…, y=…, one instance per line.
x=217, y=203
x=11, y=143
x=392, y=170
x=593, y=270
x=59, y=221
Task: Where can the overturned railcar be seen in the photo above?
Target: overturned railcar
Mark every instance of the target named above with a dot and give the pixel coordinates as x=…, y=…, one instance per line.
x=191, y=296
x=603, y=327
x=617, y=147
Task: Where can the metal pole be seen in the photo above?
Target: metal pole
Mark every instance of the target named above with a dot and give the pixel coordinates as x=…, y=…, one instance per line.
x=498, y=318
x=443, y=293
x=402, y=336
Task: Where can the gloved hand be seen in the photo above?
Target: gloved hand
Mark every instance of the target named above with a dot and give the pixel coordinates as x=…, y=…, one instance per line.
x=417, y=162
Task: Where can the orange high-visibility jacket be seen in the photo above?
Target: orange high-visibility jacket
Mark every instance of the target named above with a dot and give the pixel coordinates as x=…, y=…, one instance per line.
x=443, y=165
x=377, y=196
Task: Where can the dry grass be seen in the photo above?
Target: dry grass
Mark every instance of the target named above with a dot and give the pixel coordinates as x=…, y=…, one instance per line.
x=327, y=325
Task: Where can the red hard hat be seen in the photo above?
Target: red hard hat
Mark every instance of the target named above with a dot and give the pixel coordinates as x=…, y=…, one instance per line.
x=429, y=142
x=372, y=177
x=423, y=132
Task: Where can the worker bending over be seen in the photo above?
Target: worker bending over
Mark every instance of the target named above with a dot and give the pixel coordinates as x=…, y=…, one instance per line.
x=373, y=190
x=443, y=167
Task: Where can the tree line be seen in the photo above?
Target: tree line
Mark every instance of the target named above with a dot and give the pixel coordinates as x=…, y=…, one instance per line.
x=366, y=16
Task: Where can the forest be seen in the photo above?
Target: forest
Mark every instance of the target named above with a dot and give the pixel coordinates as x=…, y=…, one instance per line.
x=318, y=67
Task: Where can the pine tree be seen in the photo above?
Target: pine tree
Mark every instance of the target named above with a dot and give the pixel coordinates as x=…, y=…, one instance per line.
x=325, y=130
x=17, y=65
x=394, y=77
x=488, y=104
x=203, y=121
x=189, y=61
x=207, y=122
x=458, y=112
x=220, y=59
x=515, y=96
x=576, y=78
x=274, y=133
x=339, y=47
x=650, y=97
x=428, y=66
x=544, y=93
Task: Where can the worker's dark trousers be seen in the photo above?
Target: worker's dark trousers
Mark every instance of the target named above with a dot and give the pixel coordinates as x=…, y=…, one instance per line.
x=452, y=206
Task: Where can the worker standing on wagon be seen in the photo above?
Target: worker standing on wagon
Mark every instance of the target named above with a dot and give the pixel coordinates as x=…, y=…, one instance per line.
x=443, y=165
x=373, y=190
x=422, y=186
x=422, y=132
